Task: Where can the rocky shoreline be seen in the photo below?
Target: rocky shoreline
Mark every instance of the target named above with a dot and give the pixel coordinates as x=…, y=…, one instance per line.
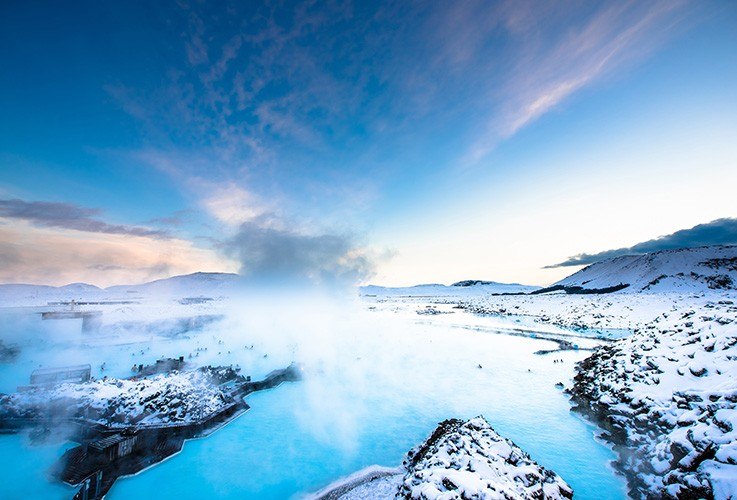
x=667, y=399
x=666, y=396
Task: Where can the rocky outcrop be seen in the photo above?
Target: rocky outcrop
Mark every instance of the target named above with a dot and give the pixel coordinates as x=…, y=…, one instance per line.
x=667, y=398
x=469, y=460
x=460, y=460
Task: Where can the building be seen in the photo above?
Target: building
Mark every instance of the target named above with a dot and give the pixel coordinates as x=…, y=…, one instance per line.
x=164, y=365
x=112, y=447
x=51, y=376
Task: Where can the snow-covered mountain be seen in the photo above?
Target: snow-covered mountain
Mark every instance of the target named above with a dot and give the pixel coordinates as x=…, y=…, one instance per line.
x=684, y=270
x=189, y=285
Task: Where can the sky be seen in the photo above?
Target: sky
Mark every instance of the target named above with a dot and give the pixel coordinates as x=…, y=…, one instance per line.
x=386, y=142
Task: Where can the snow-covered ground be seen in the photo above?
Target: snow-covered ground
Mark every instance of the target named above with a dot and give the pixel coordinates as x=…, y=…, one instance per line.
x=668, y=395
x=599, y=312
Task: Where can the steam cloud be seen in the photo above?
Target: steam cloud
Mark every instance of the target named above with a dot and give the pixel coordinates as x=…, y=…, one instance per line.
x=277, y=255
x=717, y=232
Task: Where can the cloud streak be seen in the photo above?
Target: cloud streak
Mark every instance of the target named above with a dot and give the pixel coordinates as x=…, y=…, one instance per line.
x=551, y=64
x=70, y=216
x=717, y=232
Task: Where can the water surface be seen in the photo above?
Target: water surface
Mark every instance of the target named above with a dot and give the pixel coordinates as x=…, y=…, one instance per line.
x=376, y=386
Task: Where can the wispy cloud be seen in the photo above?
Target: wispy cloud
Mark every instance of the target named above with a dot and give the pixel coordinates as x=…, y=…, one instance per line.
x=70, y=216
x=231, y=204
x=195, y=45
x=176, y=219
x=717, y=232
x=278, y=99
x=556, y=55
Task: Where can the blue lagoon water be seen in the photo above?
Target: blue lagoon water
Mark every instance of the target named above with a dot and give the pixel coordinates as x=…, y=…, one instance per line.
x=372, y=391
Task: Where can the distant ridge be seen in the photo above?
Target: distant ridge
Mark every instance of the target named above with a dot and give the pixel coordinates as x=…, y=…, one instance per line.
x=186, y=285
x=473, y=287
x=686, y=270
x=197, y=276
x=481, y=282
x=194, y=281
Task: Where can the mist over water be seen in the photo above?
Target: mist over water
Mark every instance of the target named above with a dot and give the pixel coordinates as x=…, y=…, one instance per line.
x=378, y=378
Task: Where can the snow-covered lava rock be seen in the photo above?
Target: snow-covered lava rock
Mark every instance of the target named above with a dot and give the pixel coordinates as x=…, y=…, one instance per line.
x=460, y=460
x=667, y=396
x=176, y=397
x=470, y=460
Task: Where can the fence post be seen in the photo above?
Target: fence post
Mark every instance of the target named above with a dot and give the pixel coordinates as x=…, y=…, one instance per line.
x=98, y=484
x=86, y=489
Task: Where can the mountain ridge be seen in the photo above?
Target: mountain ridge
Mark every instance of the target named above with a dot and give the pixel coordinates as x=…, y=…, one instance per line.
x=184, y=285
x=684, y=269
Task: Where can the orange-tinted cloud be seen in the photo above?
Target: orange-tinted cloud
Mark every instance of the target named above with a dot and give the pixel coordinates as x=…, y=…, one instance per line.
x=55, y=256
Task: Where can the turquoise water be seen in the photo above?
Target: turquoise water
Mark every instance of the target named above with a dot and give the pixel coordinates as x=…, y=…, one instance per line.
x=25, y=467
x=374, y=388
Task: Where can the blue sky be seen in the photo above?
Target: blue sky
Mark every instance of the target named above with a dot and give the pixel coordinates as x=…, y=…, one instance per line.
x=396, y=142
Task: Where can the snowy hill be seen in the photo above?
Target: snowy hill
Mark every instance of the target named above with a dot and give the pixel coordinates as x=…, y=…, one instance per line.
x=190, y=285
x=184, y=285
x=684, y=270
